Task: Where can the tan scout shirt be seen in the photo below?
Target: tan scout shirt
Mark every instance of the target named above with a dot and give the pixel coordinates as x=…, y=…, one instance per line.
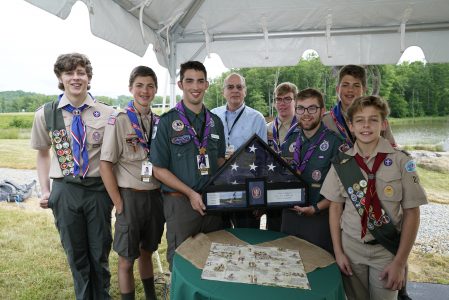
x=329, y=122
x=283, y=129
x=127, y=157
x=95, y=117
x=397, y=185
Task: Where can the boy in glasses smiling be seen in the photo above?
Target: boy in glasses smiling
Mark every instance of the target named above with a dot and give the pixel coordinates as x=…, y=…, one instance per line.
x=310, y=149
x=279, y=132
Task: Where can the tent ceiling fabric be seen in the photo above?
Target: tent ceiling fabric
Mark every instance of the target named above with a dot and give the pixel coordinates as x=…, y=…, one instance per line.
x=247, y=33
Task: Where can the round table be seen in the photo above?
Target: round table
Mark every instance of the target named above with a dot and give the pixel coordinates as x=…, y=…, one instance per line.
x=186, y=282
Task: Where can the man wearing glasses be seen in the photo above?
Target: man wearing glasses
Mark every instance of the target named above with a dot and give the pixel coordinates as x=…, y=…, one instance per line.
x=279, y=132
x=311, y=147
x=240, y=123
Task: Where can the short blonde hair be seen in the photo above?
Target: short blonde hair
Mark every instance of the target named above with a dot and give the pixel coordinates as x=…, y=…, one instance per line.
x=366, y=101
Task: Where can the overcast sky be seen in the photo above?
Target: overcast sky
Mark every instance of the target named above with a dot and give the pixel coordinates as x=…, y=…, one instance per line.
x=31, y=39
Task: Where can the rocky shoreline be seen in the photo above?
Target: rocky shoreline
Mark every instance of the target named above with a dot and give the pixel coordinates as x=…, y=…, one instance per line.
x=433, y=234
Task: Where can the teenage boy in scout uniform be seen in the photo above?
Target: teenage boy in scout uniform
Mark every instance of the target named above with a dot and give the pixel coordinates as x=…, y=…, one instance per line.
x=72, y=127
x=279, y=131
x=351, y=84
x=190, y=146
x=309, y=151
x=127, y=174
x=374, y=213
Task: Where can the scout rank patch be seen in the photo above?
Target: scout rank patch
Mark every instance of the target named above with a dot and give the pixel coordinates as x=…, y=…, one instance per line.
x=63, y=152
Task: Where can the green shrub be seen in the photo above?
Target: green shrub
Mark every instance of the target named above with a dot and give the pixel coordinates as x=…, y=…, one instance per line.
x=18, y=122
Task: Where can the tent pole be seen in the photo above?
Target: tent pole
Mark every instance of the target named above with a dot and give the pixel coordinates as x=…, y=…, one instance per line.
x=172, y=72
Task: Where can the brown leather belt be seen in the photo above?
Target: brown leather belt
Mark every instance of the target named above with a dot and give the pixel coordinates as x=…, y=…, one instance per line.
x=174, y=194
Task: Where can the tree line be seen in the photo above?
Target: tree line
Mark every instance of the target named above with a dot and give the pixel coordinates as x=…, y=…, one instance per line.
x=412, y=89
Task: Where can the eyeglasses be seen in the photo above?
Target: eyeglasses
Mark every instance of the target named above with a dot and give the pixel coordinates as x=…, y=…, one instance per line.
x=232, y=86
x=300, y=110
x=286, y=100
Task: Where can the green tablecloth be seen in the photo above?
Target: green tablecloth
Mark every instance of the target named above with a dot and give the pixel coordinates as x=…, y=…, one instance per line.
x=186, y=282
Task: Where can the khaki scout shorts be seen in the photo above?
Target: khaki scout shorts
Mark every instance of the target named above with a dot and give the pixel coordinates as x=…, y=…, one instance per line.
x=141, y=223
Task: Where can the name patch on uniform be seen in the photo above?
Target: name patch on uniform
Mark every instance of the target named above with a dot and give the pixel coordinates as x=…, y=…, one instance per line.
x=410, y=166
x=215, y=136
x=181, y=140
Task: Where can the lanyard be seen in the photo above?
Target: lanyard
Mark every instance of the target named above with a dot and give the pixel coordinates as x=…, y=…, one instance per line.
x=235, y=121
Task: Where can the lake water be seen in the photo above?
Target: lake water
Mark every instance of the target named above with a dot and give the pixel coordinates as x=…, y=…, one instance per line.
x=435, y=132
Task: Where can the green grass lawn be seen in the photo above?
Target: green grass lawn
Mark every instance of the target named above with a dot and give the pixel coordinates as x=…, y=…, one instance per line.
x=33, y=264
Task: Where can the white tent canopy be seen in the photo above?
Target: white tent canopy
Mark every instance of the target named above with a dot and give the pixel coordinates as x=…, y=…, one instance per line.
x=247, y=33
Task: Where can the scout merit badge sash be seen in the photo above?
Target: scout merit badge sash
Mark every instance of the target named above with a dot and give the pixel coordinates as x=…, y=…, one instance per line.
x=277, y=145
x=301, y=164
x=337, y=116
x=61, y=145
x=143, y=138
x=361, y=193
x=200, y=141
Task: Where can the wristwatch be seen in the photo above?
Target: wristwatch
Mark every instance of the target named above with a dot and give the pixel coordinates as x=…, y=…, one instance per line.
x=316, y=208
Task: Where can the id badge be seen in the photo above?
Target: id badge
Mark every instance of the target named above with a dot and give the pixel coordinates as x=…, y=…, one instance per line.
x=147, y=171
x=203, y=164
x=230, y=149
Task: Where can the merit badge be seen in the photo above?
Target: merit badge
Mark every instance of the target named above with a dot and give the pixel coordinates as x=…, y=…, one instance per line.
x=58, y=146
x=370, y=226
x=357, y=204
x=363, y=201
x=361, y=210
x=324, y=145
x=410, y=166
x=96, y=114
x=360, y=194
x=65, y=172
x=363, y=183
x=96, y=136
x=292, y=147
x=316, y=175
x=389, y=191
x=356, y=187
x=62, y=132
x=67, y=151
x=177, y=125
x=385, y=219
x=56, y=133
x=61, y=159
x=388, y=162
x=60, y=152
x=344, y=147
x=353, y=197
x=350, y=190
x=57, y=139
x=64, y=166
x=65, y=145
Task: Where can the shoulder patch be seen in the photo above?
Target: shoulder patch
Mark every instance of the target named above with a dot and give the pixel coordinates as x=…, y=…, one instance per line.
x=410, y=166
x=112, y=118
